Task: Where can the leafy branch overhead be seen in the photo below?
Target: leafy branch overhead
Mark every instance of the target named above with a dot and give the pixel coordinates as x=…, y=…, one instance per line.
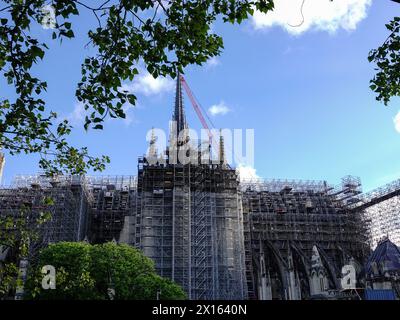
x=164, y=35
x=386, y=82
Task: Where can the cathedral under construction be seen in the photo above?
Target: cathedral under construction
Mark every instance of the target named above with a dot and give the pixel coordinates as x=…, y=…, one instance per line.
x=217, y=237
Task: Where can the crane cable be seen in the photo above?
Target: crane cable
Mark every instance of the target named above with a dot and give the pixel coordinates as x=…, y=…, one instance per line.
x=302, y=16
x=211, y=123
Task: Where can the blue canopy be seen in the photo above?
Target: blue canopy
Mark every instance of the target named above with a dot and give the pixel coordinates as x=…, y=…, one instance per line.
x=379, y=295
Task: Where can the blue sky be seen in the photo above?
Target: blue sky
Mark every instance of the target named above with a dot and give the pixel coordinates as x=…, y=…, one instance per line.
x=304, y=90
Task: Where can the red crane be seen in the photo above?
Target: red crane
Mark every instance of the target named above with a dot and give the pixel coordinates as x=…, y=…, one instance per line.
x=196, y=107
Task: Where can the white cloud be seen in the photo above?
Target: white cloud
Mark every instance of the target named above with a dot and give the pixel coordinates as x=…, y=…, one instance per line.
x=247, y=173
x=220, y=108
x=212, y=62
x=396, y=121
x=146, y=84
x=77, y=115
x=324, y=15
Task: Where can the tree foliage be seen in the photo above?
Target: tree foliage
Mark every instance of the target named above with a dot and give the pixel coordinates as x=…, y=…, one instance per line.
x=386, y=82
x=85, y=271
x=164, y=35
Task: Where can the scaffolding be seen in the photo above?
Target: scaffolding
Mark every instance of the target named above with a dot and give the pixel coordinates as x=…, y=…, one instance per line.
x=67, y=212
x=218, y=243
x=382, y=207
x=285, y=219
x=96, y=208
x=189, y=221
x=211, y=234
x=112, y=208
x=278, y=185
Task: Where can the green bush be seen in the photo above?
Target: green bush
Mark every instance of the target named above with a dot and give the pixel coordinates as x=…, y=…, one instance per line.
x=85, y=271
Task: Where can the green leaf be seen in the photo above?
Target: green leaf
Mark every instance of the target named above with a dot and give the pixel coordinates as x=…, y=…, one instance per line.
x=131, y=99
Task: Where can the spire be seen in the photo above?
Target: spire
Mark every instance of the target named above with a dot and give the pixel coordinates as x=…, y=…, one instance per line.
x=153, y=147
x=2, y=162
x=179, y=112
x=221, y=148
